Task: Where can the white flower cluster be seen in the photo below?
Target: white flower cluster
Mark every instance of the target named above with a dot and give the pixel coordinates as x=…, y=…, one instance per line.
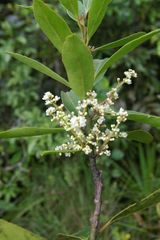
x=92, y=128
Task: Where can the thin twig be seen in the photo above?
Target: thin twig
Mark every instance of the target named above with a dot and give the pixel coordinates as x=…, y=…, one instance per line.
x=97, y=179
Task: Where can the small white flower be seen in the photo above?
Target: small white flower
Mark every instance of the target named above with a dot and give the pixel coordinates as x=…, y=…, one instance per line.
x=87, y=150
x=82, y=121
x=56, y=98
x=107, y=153
x=127, y=81
x=74, y=122
x=123, y=134
x=78, y=122
x=101, y=120
x=50, y=111
x=47, y=96
x=68, y=154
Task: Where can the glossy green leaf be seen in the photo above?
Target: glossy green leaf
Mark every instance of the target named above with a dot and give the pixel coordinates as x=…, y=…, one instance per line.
x=70, y=101
x=9, y=231
x=154, y=121
x=53, y=152
x=125, y=50
x=98, y=64
x=119, y=42
x=78, y=62
x=39, y=67
x=140, y=136
x=71, y=5
x=96, y=15
x=52, y=24
x=146, y=202
x=28, y=132
x=67, y=237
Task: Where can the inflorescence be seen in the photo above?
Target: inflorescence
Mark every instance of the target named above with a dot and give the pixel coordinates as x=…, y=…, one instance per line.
x=89, y=129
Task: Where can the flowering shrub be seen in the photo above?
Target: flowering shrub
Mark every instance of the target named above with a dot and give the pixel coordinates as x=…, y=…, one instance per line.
x=89, y=130
x=91, y=125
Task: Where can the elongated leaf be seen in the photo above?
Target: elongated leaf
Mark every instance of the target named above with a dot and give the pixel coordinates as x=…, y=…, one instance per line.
x=78, y=62
x=28, y=132
x=146, y=202
x=120, y=42
x=67, y=237
x=98, y=64
x=87, y=4
x=53, y=25
x=25, y=7
x=9, y=231
x=154, y=121
x=125, y=50
x=140, y=136
x=39, y=67
x=96, y=15
x=70, y=101
x=71, y=5
x=53, y=152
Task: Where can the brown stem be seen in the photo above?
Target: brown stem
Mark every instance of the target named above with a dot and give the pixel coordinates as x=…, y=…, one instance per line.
x=97, y=178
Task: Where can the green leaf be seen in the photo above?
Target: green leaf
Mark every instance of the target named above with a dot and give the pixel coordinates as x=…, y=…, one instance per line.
x=28, y=132
x=39, y=67
x=52, y=24
x=53, y=152
x=78, y=62
x=25, y=7
x=125, y=50
x=9, y=231
x=140, y=136
x=71, y=5
x=87, y=4
x=98, y=64
x=70, y=101
x=120, y=42
x=67, y=237
x=146, y=202
x=81, y=9
x=154, y=121
x=96, y=15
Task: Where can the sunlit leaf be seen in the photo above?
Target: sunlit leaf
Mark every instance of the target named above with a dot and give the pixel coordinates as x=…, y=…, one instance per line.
x=78, y=62
x=127, y=48
x=119, y=42
x=96, y=15
x=152, y=120
x=71, y=5
x=52, y=24
x=140, y=136
x=39, y=67
x=146, y=202
x=9, y=231
x=28, y=132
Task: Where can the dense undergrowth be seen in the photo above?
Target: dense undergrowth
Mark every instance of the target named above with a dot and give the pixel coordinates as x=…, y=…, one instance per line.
x=34, y=192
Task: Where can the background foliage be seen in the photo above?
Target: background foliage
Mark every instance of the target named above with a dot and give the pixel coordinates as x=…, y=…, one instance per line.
x=54, y=194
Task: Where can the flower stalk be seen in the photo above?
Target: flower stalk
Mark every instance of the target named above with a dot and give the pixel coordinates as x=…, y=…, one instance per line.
x=98, y=185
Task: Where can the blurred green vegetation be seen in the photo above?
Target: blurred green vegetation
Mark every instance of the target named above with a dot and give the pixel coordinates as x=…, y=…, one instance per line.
x=55, y=194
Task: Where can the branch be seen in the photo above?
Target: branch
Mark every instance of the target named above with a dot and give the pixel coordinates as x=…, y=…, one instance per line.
x=97, y=179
